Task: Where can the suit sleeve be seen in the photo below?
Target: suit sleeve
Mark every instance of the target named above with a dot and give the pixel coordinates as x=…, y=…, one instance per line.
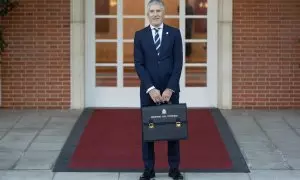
x=178, y=58
x=139, y=62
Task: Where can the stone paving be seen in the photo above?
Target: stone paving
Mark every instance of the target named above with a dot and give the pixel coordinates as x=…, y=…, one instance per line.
x=30, y=141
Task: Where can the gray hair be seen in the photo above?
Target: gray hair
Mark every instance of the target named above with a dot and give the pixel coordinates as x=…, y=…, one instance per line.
x=160, y=2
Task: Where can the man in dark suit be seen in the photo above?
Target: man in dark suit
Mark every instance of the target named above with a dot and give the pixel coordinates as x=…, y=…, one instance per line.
x=158, y=62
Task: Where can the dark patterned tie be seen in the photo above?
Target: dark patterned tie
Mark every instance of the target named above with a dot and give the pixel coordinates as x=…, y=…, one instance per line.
x=157, y=41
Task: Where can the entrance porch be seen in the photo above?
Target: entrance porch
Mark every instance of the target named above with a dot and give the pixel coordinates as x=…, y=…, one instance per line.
x=31, y=140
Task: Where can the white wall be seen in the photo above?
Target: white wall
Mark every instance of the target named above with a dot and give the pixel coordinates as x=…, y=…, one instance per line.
x=225, y=54
x=77, y=53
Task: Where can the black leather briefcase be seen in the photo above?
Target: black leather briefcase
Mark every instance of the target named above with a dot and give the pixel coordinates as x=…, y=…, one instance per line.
x=165, y=122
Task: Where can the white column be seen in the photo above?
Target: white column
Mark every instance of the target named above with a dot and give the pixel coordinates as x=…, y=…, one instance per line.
x=77, y=54
x=225, y=54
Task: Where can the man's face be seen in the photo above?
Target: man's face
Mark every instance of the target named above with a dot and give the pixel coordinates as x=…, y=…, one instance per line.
x=156, y=14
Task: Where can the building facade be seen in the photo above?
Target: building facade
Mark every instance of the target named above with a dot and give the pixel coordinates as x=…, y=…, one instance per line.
x=76, y=54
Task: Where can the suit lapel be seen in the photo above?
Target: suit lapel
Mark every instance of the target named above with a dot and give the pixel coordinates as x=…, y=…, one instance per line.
x=165, y=41
x=150, y=39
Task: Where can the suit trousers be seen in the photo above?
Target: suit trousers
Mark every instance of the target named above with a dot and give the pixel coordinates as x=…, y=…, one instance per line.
x=173, y=146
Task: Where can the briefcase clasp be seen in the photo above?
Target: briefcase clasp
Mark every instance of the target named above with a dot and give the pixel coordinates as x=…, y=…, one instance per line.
x=151, y=125
x=178, y=124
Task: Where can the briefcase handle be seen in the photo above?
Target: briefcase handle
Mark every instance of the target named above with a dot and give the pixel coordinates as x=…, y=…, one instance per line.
x=159, y=103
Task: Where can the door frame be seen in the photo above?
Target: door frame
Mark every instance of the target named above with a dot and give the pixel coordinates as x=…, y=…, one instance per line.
x=212, y=65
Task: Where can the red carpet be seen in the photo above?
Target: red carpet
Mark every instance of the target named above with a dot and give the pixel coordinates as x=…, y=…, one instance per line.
x=111, y=140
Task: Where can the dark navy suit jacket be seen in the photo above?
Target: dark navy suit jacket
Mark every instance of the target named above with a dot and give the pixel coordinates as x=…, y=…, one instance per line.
x=161, y=71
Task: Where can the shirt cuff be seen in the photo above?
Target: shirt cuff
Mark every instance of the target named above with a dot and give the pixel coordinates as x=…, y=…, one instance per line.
x=171, y=90
x=149, y=89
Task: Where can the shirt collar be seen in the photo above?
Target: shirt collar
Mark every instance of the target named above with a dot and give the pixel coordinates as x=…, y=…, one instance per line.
x=161, y=26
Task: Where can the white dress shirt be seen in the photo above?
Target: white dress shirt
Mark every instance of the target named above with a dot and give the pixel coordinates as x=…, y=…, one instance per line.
x=159, y=31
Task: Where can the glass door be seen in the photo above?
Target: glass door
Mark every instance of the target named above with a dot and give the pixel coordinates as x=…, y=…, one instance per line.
x=198, y=25
x=111, y=80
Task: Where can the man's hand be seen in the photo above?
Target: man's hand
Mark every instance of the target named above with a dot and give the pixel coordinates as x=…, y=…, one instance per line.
x=155, y=95
x=167, y=95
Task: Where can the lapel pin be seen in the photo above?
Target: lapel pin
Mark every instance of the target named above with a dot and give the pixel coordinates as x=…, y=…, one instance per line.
x=167, y=32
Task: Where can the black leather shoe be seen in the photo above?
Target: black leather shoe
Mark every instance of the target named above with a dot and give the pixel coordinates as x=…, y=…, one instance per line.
x=147, y=174
x=175, y=174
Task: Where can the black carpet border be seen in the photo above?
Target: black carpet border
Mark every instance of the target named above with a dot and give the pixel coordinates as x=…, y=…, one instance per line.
x=61, y=164
x=239, y=163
